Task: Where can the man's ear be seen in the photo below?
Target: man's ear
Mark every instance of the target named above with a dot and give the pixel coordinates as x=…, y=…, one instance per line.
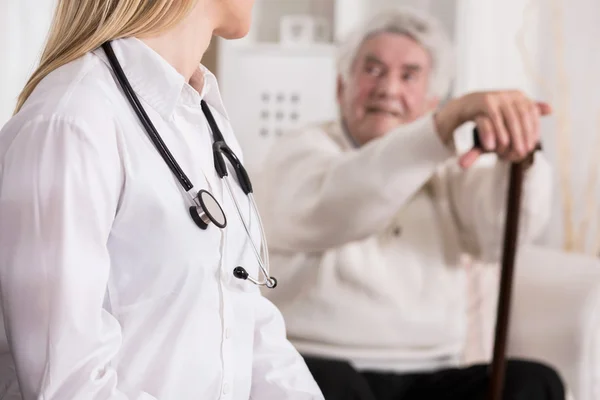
x=340, y=88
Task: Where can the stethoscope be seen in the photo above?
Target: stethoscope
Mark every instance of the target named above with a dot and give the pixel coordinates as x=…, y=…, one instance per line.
x=206, y=208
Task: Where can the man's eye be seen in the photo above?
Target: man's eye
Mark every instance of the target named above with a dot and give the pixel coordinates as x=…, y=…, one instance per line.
x=409, y=76
x=373, y=70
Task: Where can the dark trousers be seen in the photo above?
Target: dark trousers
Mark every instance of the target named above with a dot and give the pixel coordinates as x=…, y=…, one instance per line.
x=524, y=381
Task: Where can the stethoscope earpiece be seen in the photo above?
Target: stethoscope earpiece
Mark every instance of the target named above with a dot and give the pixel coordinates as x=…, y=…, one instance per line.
x=241, y=273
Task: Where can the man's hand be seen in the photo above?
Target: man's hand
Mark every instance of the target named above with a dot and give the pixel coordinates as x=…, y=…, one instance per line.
x=507, y=121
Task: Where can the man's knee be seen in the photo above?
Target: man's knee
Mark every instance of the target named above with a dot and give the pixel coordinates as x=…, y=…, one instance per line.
x=533, y=380
x=338, y=380
x=331, y=369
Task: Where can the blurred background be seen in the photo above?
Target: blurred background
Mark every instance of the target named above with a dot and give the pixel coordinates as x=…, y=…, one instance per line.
x=286, y=67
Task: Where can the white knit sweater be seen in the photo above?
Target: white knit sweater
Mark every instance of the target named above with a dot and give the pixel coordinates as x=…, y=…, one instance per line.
x=365, y=242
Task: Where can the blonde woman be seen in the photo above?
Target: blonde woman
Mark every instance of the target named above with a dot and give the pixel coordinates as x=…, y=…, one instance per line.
x=130, y=266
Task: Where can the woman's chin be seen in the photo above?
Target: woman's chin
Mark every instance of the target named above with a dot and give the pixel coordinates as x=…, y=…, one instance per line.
x=233, y=32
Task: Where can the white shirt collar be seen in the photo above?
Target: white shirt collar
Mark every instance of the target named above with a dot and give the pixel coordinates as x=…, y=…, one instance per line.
x=156, y=81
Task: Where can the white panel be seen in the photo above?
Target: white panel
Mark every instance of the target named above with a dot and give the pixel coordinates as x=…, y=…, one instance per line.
x=272, y=89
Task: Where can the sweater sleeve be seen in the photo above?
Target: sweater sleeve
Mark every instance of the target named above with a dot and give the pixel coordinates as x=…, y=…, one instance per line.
x=315, y=196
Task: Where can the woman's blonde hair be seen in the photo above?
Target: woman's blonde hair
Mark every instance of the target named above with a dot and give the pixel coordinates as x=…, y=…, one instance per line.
x=80, y=26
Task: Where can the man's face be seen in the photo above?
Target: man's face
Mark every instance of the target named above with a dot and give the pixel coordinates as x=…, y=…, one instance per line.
x=388, y=86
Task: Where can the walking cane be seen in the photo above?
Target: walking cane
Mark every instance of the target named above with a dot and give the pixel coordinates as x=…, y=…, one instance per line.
x=511, y=235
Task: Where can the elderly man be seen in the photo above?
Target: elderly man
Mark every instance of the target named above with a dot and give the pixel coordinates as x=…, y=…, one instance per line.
x=367, y=217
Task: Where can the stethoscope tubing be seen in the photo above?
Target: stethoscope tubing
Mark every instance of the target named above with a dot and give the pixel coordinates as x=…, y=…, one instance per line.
x=220, y=151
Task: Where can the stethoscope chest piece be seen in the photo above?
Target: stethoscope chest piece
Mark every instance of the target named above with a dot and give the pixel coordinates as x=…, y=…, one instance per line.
x=208, y=210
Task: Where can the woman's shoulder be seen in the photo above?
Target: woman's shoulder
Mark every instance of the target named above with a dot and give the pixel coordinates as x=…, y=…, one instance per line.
x=80, y=90
x=76, y=98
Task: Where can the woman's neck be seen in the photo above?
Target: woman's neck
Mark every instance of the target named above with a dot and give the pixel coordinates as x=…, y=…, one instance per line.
x=184, y=45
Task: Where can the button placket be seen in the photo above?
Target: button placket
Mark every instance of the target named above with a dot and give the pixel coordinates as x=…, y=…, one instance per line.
x=227, y=316
x=227, y=344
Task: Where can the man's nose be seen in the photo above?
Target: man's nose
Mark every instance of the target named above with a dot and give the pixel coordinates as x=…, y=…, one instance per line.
x=388, y=86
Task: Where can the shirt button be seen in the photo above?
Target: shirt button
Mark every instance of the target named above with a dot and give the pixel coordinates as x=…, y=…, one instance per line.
x=227, y=333
x=225, y=388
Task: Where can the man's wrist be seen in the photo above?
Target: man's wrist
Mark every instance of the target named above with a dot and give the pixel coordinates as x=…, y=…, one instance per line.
x=443, y=126
x=445, y=123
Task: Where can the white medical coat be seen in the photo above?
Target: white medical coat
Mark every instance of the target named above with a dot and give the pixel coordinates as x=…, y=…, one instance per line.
x=109, y=289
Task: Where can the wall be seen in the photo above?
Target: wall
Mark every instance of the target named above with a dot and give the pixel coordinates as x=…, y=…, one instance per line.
x=23, y=27
x=211, y=58
x=348, y=13
x=343, y=15
x=268, y=13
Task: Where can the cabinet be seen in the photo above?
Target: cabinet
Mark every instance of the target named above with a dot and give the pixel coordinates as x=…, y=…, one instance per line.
x=270, y=87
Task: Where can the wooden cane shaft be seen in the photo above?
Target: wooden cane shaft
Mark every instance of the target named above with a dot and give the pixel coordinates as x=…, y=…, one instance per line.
x=511, y=234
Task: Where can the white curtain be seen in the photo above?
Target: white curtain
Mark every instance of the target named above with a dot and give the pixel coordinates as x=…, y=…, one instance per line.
x=488, y=36
x=23, y=28
x=547, y=48
x=568, y=73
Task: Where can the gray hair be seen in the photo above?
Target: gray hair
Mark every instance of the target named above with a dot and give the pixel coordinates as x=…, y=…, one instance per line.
x=422, y=28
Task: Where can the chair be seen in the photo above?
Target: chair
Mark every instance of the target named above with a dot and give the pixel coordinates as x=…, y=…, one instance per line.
x=555, y=315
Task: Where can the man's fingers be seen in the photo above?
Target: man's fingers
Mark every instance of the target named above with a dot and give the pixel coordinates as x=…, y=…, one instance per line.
x=528, y=115
x=545, y=108
x=536, y=125
x=513, y=125
x=494, y=113
x=467, y=159
x=487, y=133
x=508, y=122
